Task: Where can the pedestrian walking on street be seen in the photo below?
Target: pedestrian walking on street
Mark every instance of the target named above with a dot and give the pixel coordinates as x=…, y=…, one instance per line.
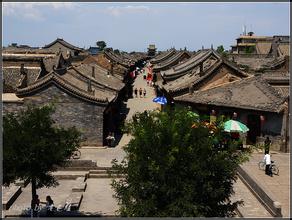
x=267, y=159
x=144, y=92
x=140, y=92
x=267, y=144
x=136, y=92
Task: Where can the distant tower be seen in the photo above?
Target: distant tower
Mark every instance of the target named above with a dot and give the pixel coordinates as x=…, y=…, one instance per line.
x=151, y=50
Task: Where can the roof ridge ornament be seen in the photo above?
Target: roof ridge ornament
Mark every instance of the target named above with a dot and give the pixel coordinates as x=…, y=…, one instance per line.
x=23, y=80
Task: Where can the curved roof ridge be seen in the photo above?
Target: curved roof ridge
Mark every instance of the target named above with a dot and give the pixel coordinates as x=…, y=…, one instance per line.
x=171, y=59
x=160, y=57
x=59, y=81
x=206, y=73
x=93, y=79
x=275, y=105
x=64, y=43
x=194, y=63
x=114, y=57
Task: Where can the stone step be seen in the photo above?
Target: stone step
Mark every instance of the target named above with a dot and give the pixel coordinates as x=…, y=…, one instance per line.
x=68, y=176
x=105, y=176
x=102, y=171
x=83, y=168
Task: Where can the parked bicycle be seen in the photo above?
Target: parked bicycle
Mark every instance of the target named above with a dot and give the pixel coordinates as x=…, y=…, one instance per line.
x=274, y=168
x=76, y=154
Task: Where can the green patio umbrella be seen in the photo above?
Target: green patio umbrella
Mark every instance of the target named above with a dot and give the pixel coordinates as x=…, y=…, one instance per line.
x=235, y=126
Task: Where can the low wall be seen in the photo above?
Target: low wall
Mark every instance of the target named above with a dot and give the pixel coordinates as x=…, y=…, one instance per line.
x=276, y=142
x=261, y=193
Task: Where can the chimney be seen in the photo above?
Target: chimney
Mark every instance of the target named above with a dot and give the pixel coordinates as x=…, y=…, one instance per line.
x=22, y=68
x=89, y=88
x=23, y=80
x=191, y=89
x=93, y=71
x=201, y=68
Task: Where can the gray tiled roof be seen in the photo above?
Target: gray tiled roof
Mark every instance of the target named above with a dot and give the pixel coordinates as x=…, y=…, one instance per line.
x=194, y=78
x=188, y=65
x=163, y=56
x=75, y=80
x=64, y=43
x=172, y=60
x=116, y=58
x=102, y=76
x=238, y=94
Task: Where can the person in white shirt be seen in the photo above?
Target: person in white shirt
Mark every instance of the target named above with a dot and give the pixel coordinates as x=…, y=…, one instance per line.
x=267, y=159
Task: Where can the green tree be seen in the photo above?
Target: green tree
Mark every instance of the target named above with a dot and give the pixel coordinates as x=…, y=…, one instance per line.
x=33, y=147
x=175, y=167
x=101, y=45
x=117, y=51
x=249, y=50
x=220, y=49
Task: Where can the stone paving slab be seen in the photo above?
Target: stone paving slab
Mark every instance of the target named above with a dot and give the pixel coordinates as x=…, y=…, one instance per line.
x=251, y=207
x=279, y=186
x=58, y=194
x=103, y=157
x=98, y=198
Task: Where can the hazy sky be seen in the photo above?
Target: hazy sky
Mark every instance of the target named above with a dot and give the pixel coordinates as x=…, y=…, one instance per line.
x=133, y=26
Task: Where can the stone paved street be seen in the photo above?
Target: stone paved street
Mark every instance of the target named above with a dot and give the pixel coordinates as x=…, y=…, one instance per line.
x=98, y=196
x=251, y=207
x=102, y=156
x=277, y=186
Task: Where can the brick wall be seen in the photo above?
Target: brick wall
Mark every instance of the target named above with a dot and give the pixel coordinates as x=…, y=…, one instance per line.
x=70, y=111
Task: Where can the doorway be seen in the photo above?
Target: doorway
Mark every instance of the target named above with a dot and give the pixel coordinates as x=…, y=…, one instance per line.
x=254, y=125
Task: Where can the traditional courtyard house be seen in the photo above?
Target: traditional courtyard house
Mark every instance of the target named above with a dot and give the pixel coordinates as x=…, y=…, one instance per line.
x=206, y=70
x=66, y=48
x=266, y=50
x=280, y=81
x=278, y=64
x=252, y=101
x=162, y=56
x=32, y=64
x=94, y=50
x=176, y=58
x=113, y=68
x=85, y=96
x=118, y=59
x=198, y=62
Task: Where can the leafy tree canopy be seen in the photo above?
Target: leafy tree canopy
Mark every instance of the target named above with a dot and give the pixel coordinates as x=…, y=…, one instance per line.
x=176, y=166
x=101, y=45
x=220, y=49
x=33, y=146
x=116, y=51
